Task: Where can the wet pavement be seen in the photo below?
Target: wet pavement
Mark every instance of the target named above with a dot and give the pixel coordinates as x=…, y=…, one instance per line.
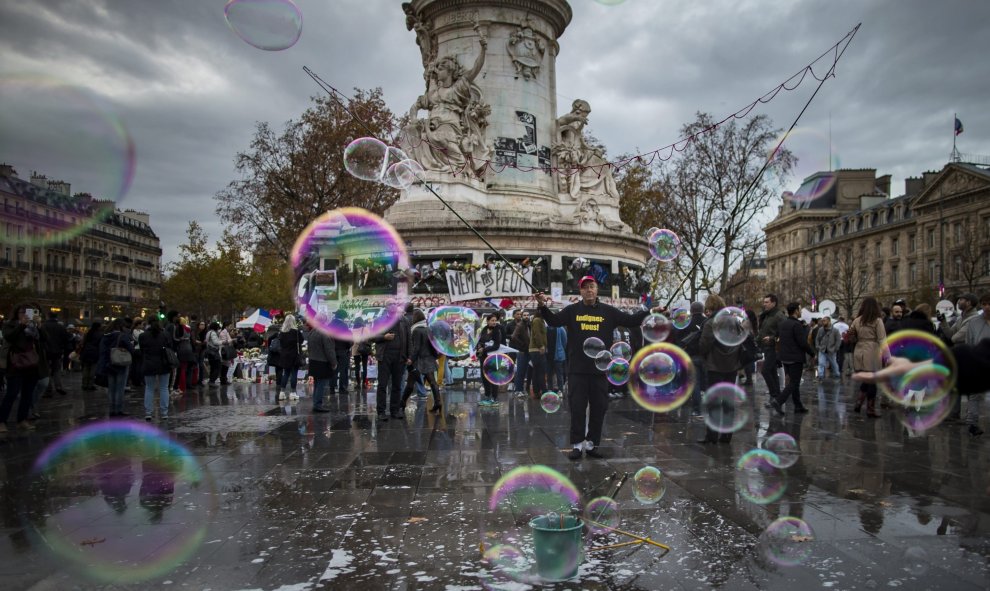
x=296, y=500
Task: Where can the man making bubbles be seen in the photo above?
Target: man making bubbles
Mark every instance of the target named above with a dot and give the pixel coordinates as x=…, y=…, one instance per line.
x=588, y=386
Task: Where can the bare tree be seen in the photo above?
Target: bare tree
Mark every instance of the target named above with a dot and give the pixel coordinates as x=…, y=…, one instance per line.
x=849, y=281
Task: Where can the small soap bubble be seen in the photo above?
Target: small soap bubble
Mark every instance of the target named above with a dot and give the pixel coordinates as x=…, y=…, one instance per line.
x=649, y=485
x=593, y=347
x=550, y=401
x=729, y=326
x=617, y=372
x=724, y=407
x=603, y=359
x=784, y=447
x=656, y=328
x=271, y=25
x=787, y=541
x=620, y=350
x=915, y=561
x=601, y=514
x=680, y=318
x=815, y=161
x=404, y=174
x=925, y=385
x=759, y=477
x=498, y=369
x=664, y=245
x=369, y=159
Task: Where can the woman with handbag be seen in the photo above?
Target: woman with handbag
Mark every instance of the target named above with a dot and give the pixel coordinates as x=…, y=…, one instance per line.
x=155, y=368
x=116, y=350
x=21, y=353
x=722, y=364
x=867, y=334
x=424, y=360
x=213, y=346
x=228, y=352
x=289, y=357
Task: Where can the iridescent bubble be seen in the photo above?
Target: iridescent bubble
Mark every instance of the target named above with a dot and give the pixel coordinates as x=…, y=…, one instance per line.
x=729, y=326
x=404, y=174
x=657, y=369
x=603, y=359
x=506, y=558
x=656, y=328
x=454, y=330
x=672, y=394
x=664, y=245
x=146, y=481
x=784, y=446
x=550, y=401
x=593, y=347
x=816, y=161
x=650, y=232
x=926, y=385
x=346, y=267
x=369, y=159
x=649, y=485
x=920, y=418
x=787, y=541
x=601, y=514
x=272, y=25
x=74, y=140
x=620, y=350
x=680, y=318
x=617, y=372
x=724, y=407
x=498, y=369
x=759, y=477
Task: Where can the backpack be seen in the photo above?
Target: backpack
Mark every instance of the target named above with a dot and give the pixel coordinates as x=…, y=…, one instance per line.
x=274, y=346
x=690, y=340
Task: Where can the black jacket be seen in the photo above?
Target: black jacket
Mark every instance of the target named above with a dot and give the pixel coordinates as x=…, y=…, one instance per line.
x=489, y=341
x=916, y=321
x=398, y=346
x=583, y=321
x=290, y=355
x=793, y=341
x=57, y=338
x=153, y=354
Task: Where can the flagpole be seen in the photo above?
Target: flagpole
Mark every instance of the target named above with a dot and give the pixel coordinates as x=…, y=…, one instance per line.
x=954, y=134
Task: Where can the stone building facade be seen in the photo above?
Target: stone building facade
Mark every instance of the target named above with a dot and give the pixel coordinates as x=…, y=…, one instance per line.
x=852, y=240
x=88, y=265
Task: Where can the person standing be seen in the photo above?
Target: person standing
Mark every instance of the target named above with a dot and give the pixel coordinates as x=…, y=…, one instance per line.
x=919, y=319
x=538, y=354
x=213, y=347
x=841, y=326
x=689, y=339
x=588, y=388
x=767, y=336
x=342, y=354
x=977, y=331
x=424, y=360
x=56, y=341
x=721, y=365
x=155, y=370
x=89, y=354
x=23, y=349
x=322, y=365
x=827, y=342
x=289, y=357
x=520, y=342
x=868, y=333
x=489, y=341
x=392, y=354
x=360, y=350
x=793, y=340
x=559, y=352
x=116, y=338
x=893, y=323
x=968, y=305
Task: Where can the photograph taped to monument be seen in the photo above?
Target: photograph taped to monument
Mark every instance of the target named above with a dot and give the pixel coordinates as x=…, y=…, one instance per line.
x=376, y=274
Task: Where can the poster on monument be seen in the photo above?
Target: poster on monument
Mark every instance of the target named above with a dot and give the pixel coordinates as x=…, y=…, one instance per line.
x=488, y=283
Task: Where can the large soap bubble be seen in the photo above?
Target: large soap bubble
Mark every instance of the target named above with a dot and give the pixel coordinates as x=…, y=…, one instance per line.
x=272, y=25
x=454, y=330
x=729, y=326
x=645, y=378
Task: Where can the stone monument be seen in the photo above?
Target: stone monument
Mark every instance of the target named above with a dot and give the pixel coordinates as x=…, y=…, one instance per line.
x=487, y=133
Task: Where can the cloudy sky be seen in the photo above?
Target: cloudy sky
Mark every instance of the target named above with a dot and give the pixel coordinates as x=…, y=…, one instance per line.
x=190, y=91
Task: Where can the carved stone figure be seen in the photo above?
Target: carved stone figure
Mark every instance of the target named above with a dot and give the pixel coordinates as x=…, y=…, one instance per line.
x=452, y=137
x=583, y=170
x=424, y=37
x=526, y=51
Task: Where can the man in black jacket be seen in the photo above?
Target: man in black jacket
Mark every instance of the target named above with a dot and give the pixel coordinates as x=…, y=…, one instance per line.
x=688, y=338
x=392, y=354
x=794, y=346
x=588, y=387
x=56, y=343
x=766, y=338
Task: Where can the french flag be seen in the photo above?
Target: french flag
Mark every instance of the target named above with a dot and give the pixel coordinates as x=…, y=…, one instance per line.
x=501, y=303
x=959, y=127
x=263, y=321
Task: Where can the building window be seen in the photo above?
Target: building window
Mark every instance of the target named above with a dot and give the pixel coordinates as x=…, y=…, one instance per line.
x=878, y=279
x=893, y=246
x=931, y=271
x=931, y=237
x=912, y=243
x=957, y=268
x=957, y=233
x=876, y=250
x=913, y=274
x=894, y=283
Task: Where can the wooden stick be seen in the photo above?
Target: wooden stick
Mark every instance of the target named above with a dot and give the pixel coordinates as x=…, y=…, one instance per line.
x=633, y=536
x=619, y=545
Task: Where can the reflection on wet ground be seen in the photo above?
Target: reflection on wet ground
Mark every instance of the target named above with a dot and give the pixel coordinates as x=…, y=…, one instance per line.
x=297, y=500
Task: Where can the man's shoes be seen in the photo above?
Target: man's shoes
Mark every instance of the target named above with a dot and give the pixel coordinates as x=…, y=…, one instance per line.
x=575, y=454
x=777, y=407
x=383, y=417
x=595, y=452
x=975, y=431
x=801, y=410
x=320, y=409
x=281, y=395
x=148, y=418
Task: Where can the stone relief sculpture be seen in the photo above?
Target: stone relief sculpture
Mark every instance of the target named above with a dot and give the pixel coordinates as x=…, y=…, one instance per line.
x=452, y=137
x=526, y=51
x=424, y=37
x=585, y=173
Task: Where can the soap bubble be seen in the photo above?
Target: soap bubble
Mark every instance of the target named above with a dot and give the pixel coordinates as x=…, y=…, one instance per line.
x=680, y=318
x=729, y=326
x=915, y=561
x=787, y=541
x=593, y=347
x=816, y=161
x=498, y=369
x=601, y=514
x=454, y=330
x=346, y=267
x=724, y=407
x=272, y=25
x=664, y=245
x=404, y=174
x=920, y=418
x=785, y=448
x=759, y=477
x=927, y=384
x=122, y=502
x=369, y=159
x=65, y=130
x=657, y=369
x=649, y=485
x=620, y=350
x=656, y=328
x=603, y=359
x=617, y=372
x=550, y=401
x=670, y=395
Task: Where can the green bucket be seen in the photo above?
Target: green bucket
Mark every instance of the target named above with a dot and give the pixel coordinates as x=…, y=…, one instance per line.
x=558, y=543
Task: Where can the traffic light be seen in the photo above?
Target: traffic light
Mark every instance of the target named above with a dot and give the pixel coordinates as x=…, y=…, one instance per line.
x=161, y=311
